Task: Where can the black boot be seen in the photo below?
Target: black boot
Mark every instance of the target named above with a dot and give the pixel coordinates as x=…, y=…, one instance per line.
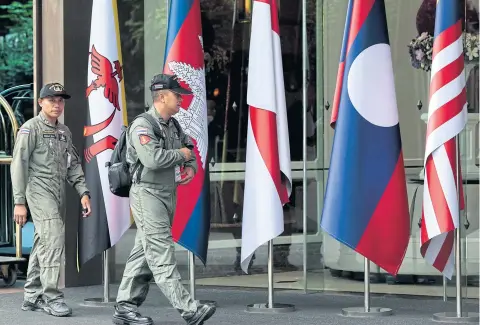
x=203, y=313
x=125, y=315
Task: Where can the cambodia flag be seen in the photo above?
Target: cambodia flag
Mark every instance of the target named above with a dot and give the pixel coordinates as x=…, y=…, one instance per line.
x=184, y=58
x=366, y=205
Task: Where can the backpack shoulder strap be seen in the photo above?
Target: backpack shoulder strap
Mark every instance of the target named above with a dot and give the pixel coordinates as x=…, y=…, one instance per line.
x=177, y=125
x=181, y=132
x=155, y=125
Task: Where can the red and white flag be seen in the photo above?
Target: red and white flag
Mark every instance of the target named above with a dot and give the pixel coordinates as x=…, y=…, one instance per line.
x=268, y=180
x=447, y=116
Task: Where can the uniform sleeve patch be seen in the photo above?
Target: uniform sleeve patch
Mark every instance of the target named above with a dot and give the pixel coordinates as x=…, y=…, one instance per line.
x=24, y=131
x=144, y=139
x=141, y=131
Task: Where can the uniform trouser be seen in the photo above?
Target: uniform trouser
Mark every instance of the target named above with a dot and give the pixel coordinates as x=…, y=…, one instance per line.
x=153, y=255
x=48, y=245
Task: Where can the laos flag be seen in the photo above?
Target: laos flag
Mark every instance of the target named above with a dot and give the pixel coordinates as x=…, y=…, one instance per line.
x=184, y=59
x=366, y=205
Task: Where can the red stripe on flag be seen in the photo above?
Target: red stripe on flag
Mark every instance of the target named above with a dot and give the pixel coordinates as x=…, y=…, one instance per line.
x=446, y=74
x=439, y=203
x=450, y=147
x=360, y=12
x=424, y=236
x=264, y=127
x=447, y=37
x=274, y=14
x=423, y=228
x=444, y=253
x=445, y=113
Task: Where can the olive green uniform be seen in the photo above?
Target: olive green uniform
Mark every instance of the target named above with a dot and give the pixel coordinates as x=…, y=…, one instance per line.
x=43, y=158
x=153, y=201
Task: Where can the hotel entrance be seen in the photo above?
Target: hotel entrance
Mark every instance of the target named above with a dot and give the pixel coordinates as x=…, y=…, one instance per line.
x=311, y=31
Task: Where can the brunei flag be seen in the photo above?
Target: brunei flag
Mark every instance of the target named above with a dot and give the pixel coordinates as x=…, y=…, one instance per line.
x=106, y=115
x=184, y=59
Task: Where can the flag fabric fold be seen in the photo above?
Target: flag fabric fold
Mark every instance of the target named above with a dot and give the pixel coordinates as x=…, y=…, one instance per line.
x=184, y=57
x=365, y=205
x=106, y=115
x=447, y=116
x=268, y=180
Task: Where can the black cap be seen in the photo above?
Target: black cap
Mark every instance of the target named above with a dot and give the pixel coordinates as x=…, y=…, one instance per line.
x=168, y=82
x=53, y=89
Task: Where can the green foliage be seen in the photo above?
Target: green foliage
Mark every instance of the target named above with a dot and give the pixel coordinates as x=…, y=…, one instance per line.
x=16, y=48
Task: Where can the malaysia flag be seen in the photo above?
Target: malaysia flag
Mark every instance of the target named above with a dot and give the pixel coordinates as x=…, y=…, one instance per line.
x=366, y=205
x=447, y=116
x=185, y=59
x=268, y=180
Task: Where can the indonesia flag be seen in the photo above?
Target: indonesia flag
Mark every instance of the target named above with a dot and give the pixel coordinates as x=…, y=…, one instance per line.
x=447, y=116
x=366, y=205
x=105, y=118
x=185, y=59
x=268, y=180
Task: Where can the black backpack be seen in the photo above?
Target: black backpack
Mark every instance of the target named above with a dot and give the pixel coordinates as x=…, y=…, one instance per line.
x=119, y=176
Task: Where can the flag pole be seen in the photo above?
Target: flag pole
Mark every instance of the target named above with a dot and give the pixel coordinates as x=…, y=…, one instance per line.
x=191, y=270
x=458, y=316
x=271, y=307
x=366, y=310
x=106, y=299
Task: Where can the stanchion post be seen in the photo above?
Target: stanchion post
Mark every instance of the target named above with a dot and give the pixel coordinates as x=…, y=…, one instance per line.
x=457, y=317
x=445, y=296
x=106, y=277
x=270, y=307
x=191, y=271
x=106, y=299
x=367, y=285
x=270, y=275
x=366, y=311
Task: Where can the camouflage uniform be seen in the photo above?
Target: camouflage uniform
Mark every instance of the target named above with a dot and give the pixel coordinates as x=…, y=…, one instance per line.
x=43, y=158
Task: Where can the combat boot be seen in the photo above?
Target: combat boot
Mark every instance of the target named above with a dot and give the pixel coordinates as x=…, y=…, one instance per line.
x=29, y=306
x=203, y=313
x=125, y=315
x=57, y=308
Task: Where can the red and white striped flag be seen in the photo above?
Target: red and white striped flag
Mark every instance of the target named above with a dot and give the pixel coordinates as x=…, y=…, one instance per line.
x=447, y=116
x=268, y=180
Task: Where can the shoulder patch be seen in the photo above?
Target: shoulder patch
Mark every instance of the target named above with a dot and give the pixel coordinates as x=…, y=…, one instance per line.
x=144, y=139
x=24, y=130
x=141, y=131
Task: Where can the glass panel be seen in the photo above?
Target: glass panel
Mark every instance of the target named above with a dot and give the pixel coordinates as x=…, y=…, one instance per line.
x=343, y=268
x=143, y=28
x=227, y=77
x=470, y=163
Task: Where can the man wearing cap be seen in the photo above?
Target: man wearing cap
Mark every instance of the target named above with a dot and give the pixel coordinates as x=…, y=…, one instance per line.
x=153, y=200
x=43, y=158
